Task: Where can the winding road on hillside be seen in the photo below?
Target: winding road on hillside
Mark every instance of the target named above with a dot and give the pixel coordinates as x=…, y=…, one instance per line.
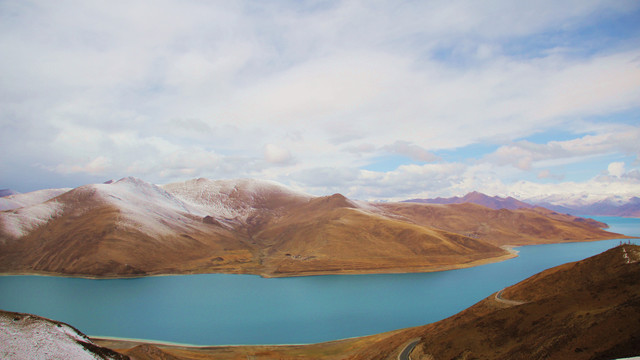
x=499, y=298
x=404, y=354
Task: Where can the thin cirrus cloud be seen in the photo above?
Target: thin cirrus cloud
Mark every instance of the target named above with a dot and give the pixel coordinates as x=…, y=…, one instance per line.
x=311, y=93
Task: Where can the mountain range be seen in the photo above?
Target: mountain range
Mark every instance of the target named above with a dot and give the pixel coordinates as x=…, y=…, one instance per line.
x=493, y=202
x=606, y=207
x=133, y=228
x=579, y=205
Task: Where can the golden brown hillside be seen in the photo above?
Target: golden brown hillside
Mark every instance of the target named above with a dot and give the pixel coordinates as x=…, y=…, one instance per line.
x=583, y=310
x=133, y=228
x=500, y=227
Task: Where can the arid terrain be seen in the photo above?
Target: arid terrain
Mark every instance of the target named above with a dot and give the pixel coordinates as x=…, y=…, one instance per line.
x=588, y=309
x=134, y=228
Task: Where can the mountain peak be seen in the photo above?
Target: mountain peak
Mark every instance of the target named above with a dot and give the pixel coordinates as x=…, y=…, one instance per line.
x=476, y=197
x=128, y=180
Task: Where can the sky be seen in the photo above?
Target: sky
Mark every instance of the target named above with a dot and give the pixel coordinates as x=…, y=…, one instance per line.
x=377, y=100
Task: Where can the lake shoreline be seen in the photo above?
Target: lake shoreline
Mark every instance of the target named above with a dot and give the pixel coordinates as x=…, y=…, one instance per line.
x=512, y=253
x=307, y=350
x=406, y=270
x=205, y=295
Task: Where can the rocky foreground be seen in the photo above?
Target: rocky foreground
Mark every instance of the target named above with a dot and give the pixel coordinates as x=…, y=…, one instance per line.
x=26, y=336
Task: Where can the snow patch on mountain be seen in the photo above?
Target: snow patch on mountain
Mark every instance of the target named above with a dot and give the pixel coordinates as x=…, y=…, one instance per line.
x=228, y=199
x=146, y=206
x=17, y=201
x=20, y=222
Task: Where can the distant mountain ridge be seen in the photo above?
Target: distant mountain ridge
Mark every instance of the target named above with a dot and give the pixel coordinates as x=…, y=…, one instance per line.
x=611, y=206
x=606, y=207
x=7, y=192
x=493, y=202
x=133, y=228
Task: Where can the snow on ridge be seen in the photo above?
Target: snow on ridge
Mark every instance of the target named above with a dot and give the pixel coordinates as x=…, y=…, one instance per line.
x=145, y=205
x=227, y=199
x=150, y=208
x=20, y=222
x=29, y=199
x=136, y=188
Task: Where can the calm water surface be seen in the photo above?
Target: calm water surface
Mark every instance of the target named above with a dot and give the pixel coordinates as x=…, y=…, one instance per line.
x=245, y=309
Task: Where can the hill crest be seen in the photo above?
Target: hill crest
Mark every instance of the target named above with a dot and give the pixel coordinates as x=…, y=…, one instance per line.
x=131, y=227
x=581, y=310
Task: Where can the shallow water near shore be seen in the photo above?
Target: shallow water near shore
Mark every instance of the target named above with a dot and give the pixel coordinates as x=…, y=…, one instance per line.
x=217, y=309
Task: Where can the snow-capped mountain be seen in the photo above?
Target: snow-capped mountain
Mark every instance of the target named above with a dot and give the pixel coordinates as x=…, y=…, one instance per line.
x=234, y=200
x=133, y=228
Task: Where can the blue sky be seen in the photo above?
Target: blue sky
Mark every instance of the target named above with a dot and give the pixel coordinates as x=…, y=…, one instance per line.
x=384, y=100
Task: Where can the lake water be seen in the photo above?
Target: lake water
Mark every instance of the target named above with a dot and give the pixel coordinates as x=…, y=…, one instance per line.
x=216, y=309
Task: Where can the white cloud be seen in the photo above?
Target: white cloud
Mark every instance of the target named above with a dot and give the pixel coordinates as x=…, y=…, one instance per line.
x=524, y=154
x=167, y=89
x=276, y=155
x=616, y=169
x=411, y=150
x=97, y=166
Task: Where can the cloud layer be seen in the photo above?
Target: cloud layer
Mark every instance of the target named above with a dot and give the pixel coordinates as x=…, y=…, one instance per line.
x=313, y=94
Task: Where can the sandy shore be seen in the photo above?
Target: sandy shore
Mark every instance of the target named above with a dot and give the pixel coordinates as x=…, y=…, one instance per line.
x=336, y=349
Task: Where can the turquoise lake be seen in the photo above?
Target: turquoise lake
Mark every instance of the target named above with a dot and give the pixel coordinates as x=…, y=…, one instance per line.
x=217, y=309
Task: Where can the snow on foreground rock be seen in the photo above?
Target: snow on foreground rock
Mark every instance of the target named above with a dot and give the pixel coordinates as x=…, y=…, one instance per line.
x=24, y=336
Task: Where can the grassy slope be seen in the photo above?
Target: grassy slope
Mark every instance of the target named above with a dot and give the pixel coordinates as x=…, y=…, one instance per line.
x=584, y=310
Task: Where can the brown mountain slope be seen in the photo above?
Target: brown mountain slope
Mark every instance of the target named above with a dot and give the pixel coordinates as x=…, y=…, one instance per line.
x=106, y=230
x=332, y=233
x=584, y=310
x=501, y=227
x=133, y=228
